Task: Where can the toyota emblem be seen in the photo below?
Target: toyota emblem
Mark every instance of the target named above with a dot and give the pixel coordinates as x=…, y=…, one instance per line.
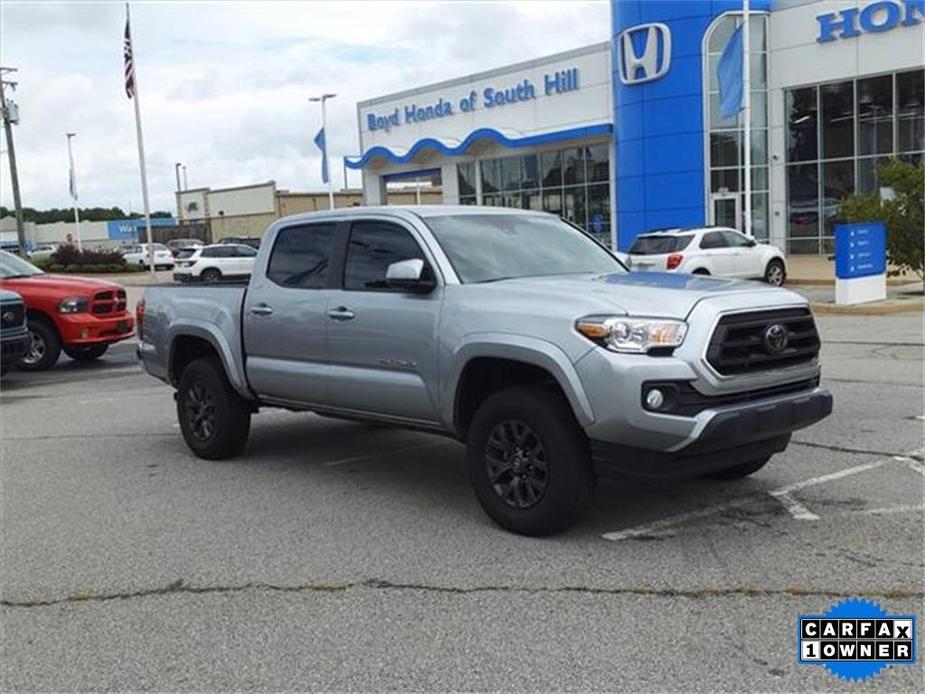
x=776, y=338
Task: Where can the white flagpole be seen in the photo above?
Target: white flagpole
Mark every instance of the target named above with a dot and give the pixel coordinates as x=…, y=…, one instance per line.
x=73, y=181
x=747, y=114
x=327, y=167
x=141, y=153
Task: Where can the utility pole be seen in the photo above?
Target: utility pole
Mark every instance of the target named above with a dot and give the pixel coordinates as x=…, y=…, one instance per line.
x=176, y=170
x=8, y=119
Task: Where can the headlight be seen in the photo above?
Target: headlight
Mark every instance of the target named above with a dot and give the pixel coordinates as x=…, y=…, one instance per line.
x=634, y=335
x=72, y=304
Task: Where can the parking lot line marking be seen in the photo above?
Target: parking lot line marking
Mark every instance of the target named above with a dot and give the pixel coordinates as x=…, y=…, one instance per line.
x=885, y=510
x=373, y=456
x=916, y=465
x=794, y=507
x=782, y=494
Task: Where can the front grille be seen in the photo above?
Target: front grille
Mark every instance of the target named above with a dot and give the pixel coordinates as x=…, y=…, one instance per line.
x=108, y=302
x=12, y=315
x=739, y=343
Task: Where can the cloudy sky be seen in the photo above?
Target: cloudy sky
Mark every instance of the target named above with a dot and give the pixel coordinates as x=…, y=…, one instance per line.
x=224, y=85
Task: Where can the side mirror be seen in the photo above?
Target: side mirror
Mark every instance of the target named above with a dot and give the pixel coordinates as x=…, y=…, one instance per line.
x=410, y=276
x=752, y=242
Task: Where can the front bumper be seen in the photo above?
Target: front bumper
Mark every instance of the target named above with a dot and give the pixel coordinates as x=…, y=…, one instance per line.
x=14, y=344
x=89, y=329
x=726, y=438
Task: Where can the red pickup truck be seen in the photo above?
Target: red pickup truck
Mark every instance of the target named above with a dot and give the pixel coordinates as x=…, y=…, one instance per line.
x=80, y=315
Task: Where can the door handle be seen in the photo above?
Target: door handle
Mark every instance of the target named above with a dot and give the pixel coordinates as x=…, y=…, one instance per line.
x=341, y=313
x=261, y=309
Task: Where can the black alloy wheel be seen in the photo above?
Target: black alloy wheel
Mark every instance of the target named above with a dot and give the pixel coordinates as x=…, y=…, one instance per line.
x=517, y=464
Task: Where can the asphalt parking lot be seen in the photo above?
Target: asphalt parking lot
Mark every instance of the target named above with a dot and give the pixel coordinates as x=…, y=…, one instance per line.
x=337, y=556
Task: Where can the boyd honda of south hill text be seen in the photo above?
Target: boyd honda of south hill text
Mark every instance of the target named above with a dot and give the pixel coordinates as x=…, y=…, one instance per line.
x=511, y=331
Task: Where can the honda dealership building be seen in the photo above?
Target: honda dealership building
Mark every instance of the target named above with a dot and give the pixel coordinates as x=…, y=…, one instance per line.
x=627, y=135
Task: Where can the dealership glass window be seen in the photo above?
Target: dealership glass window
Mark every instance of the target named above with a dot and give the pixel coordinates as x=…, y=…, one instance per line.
x=727, y=135
x=910, y=104
x=837, y=119
x=573, y=183
x=875, y=115
x=888, y=114
x=466, y=177
x=802, y=133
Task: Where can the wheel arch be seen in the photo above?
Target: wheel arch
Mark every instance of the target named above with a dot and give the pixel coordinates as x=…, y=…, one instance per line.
x=484, y=366
x=193, y=341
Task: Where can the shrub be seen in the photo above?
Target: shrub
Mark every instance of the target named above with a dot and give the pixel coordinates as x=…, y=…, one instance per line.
x=68, y=254
x=904, y=214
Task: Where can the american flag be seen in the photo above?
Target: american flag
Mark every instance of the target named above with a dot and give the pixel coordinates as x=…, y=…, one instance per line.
x=129, y=64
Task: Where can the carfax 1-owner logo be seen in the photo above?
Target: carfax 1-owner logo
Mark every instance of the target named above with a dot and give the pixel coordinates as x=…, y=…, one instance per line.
x=856, y=639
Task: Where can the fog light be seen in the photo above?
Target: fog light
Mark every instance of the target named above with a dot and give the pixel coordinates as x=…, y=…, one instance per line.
x=84, y=333
x=654, y=399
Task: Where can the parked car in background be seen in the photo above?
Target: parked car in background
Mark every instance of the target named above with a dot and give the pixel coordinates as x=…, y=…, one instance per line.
x=506, y=329
x=216, y=262
x=174, y=245
x=716, y=251
x=138, y=255
x=252, y=241
x=79, y=315
x=42, y=252
x=14, y=336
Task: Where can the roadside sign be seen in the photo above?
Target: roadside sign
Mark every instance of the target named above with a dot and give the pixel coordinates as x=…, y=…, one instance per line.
x=860, y=250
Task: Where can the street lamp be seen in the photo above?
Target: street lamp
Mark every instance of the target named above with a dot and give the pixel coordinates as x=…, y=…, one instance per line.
x=324, y=128
x=73, y=188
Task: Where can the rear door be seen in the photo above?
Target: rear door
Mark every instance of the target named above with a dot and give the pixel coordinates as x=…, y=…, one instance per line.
x=720, y=255
x=285, y=316
x=382, y=341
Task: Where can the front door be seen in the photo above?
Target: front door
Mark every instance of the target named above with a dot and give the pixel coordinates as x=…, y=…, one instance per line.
x=725, y=210
x=285, y=316
x=383, y=342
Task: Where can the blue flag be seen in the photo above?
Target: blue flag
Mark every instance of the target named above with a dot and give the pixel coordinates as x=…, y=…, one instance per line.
x=729, y=76
x=319, y=142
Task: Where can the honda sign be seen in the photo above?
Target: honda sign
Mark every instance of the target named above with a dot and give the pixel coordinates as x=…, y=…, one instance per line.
x=644, y=53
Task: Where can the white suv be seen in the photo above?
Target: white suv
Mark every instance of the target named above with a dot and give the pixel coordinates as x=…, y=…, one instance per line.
x=716, y=251
x=213, y=263
x=140, y=256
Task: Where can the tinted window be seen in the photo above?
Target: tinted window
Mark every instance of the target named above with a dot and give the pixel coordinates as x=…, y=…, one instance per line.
x=244, y=251
x=657, y=245
x=301, y=256
x=713, y=239
x=373, y=247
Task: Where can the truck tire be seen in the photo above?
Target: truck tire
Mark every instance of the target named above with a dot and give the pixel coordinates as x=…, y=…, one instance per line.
x=86, y=352
x=739, y=471
x=44, y=348
x=214, y=419
x=529, y=461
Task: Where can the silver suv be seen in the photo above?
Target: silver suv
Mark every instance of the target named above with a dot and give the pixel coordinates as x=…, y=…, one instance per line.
x=511, y=331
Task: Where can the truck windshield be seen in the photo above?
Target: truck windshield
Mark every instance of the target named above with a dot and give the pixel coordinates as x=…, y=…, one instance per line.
x=490, y=247
x=659, y=245
x=13, y=266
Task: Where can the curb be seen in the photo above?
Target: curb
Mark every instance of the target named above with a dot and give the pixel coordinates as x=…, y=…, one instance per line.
x=872, y=309
x=831, y=282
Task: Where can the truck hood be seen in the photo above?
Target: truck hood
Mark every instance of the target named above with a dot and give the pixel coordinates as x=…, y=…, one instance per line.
x=655, y=294
x=66, y=284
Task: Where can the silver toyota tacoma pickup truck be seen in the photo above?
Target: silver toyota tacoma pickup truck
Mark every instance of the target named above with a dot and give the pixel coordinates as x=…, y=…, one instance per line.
x=511, y=331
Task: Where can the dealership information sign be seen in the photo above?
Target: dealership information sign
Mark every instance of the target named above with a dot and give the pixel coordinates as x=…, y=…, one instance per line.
x=860, y=262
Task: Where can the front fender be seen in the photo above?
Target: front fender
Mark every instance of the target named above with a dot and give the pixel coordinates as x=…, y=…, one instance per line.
x=528, y=350
x=230, y=355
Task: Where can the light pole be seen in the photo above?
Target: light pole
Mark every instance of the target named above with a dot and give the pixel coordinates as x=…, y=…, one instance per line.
x=185, y=184
x=324, y=129
x=176, y=170
x=7, y=111
x=73, y=188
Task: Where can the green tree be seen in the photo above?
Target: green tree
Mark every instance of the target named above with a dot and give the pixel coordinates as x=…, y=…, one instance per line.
x=904, y=214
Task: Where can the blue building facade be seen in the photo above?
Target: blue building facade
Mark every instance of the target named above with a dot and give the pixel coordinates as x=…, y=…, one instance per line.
x=659, y=124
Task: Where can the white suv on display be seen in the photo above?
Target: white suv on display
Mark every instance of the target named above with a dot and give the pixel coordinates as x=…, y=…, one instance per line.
x=139, y=255
x=216, y=262
x=716, y=251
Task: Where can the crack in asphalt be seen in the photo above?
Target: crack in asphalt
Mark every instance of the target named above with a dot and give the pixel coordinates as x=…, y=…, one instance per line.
x=180, y=587
x=862, y=451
